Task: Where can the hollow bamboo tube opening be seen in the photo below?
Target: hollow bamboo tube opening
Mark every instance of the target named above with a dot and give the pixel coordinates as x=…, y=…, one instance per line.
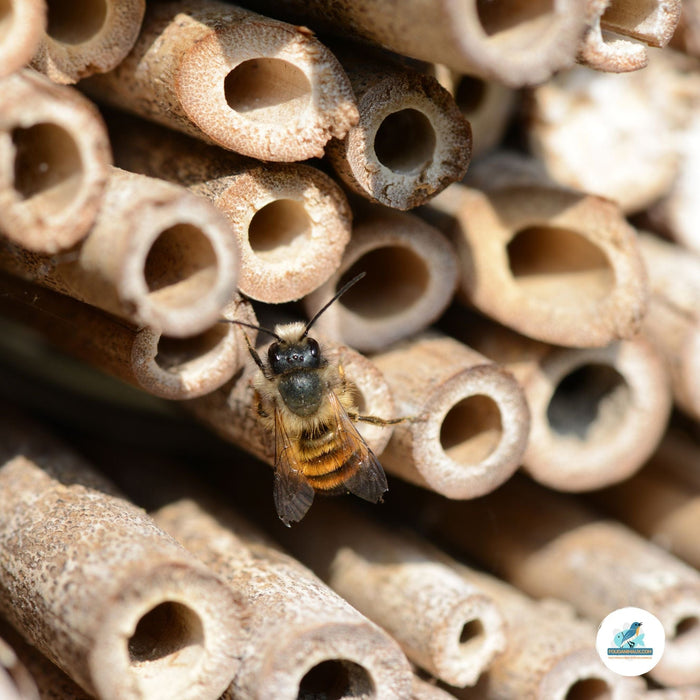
x=472, y=429
x=405, y=141
x=589, y=689
x=521, y=22
x=651, y=21
x=279, y=229
x=176, y=354
x=337, y=679
x=75, y=22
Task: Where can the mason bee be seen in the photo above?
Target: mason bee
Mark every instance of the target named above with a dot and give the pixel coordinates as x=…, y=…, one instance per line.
x=308, y=404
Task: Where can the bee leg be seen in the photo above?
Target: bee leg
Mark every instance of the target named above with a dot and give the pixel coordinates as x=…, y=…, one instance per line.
x=375, y=420
x=259, y=407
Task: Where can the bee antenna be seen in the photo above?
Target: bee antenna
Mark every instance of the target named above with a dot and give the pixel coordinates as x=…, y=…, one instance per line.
x=250, y=325
x=338, y=294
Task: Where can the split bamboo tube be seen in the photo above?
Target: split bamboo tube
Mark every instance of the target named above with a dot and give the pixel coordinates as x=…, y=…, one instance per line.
x=550, y=652
x=16, y=683
x=157, y=255
x=172, y=368
x=21, y=25
x=87, y=37
x=549, y=546
x=469, y=423
x=661, y=502
x=673, y=321
x=556, y=265
x=91, y=581
x=411, y=278
x=512, y=42
x=443, y=624
x=54, y=162
x=251, y=84
x=303, y=640
x=411, y=140
x=618, y=29
x=292, y=221
x=596, y=413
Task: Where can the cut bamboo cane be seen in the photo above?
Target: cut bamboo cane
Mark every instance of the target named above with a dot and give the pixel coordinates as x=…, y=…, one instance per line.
x=548, y=545
x=597, y=414
x=411, y=275
x=411, y=140
x=157, y=255
x=514, y=43
x=93, y=583
x=423, y=690
x=292, y=221
x=618, y=30
x=620, y=162
x=83, y=38
x=556, y=265
x=16, y=683
x=304, y=640
x=172, y=368
x=470, y=420
x=251, y=84
x=54, y=162
x=21, y=25
x=673, y=321
x=444, y=625
x=687, y=35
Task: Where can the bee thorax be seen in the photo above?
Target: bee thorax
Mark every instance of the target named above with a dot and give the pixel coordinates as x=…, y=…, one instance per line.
x=302, y=392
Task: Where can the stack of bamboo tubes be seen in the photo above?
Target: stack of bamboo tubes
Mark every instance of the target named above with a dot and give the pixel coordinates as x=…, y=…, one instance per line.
x=516, y=181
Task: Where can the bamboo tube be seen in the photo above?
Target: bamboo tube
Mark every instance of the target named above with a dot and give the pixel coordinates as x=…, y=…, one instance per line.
x=556, y=265
x=411, y=277
x=616, y=28
x=226, y=75
x=54, y=162
x=470, y=418
x=687, y=693
x=21, y=25
x=87, y=37
x=513, y=43
x=661, y=502
x=292, y=221
x=16, y=683
x=673, y=321
x=687, y=35
x=596, y=414
x=411, y=140
x=423, y=690
x=157, y=255
x=620, y=162
x=444, y=625
x=547, y=545
x=172, y=368
x=97, y=587
x=304, y=640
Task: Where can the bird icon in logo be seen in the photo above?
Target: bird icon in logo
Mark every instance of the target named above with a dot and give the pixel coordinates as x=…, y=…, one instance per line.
x=630, y=637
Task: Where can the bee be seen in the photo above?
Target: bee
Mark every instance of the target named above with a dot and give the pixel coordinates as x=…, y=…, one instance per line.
x=309, y=406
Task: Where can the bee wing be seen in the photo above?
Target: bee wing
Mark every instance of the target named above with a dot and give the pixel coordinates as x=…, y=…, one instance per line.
x=293, y=495
x=368, y=481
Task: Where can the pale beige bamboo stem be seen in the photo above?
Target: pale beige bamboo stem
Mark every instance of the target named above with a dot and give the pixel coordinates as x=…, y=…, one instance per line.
x=560, y=266
x=411, y=276
x=16, y=683
x=444, y=625
x=172, y=368
x=157, y=255
x=687, y=693
x=597, y=414
x=303, y=639
x=226, y=75
x=21, y=25
x=687, y=35
x=93, y=583
x=423, y=690
x=548, y=545
x=673, y=321
x=54, y=162
x=411, y=141
x=512, y=42
x=616, y=28
x=292, y=221
x=87, y=37
x=470, y=418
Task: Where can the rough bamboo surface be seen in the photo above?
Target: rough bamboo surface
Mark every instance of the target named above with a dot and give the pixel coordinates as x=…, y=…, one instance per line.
x=251, y=84
x=86, y=38
x=92, y=582
x=156, y=255
x=292, y=221
x=302, y=637
x=21, y=25
x=54, y=162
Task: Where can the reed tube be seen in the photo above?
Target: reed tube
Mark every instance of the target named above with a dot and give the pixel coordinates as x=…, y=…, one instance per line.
x=54, y=162
x=469, y=418
x=254, y=85
x=21, y=25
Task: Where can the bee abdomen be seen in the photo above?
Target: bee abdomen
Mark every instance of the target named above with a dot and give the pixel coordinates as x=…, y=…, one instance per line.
x=333, y=480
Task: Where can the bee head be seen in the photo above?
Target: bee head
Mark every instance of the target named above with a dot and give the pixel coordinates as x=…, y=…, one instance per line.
x=285, y=356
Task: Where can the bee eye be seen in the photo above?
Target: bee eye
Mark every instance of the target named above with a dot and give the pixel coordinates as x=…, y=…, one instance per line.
x=313, y=347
